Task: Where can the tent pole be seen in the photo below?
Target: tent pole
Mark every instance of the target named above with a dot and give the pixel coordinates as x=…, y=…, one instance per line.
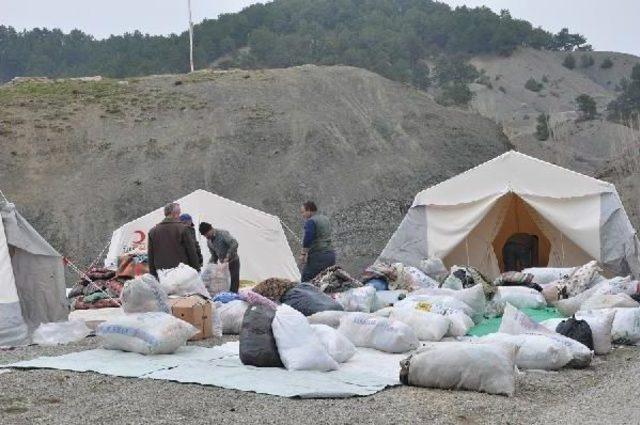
x=562, y=246
x=466, y=244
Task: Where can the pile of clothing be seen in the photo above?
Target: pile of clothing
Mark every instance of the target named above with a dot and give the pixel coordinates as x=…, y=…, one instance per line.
x=335, y=279
x=100, y=288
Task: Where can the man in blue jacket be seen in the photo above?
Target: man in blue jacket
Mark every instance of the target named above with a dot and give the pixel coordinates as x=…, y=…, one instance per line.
x=317, y=247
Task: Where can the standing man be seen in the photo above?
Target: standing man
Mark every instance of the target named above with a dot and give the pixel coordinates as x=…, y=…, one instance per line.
x=317, y=247
x=224, y=249
x=170, y=243
x=188, y=221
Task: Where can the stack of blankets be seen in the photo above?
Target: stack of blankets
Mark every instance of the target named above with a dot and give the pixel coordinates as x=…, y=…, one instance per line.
x=100, y=288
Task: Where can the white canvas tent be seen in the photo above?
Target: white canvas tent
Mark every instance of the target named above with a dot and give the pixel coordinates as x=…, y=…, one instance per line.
x=32, y=287
x=263, y=248
x=468, y=218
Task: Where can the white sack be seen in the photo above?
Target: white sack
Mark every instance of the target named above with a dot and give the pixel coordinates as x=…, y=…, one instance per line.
x=434, y=268
x=488, y=368
x=544, y=275
x=357, y=299
x=55, y=333
x=421, y=279
x=385, y=299
x=624, y=285
x=535, y=351
x=552, y=324
x=145, y=333
x=426, y=325
x=439, y=303
x=596, y=302
x=519, y=297
x=460, y=324
x=365, y=330
x=144, y=294
x=569, y=306
x=337, y=345
x=472, y=297
x=231, y=315
x=298, y=345
x=626, y=326
x=600, y=323
x=216, y=278
x=329, y=318
x=182, y=281
x=384, y=312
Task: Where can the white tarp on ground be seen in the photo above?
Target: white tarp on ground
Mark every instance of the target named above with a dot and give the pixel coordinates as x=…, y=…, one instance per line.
x=263, y=248
x=467, y=219
x=368, y=372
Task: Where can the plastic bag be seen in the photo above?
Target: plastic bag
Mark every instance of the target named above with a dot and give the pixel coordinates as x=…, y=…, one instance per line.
x=55, y=333
x=298, y=345
x=308, y=300
x=600, y=323
x=182, y=281
x=144, y=294
x=146, y=333
x=626, y=326
x=257, y=343
x=434, y=268
x=231, y=315
x=570, y=306
x=421, y=279
x=426, y=325
x=357, y=299
x=544, y=275
x=534, y=351
x=336, y=344
x=515, y=322
x=328, y=317
x=387, y=298
x=489, y=368
x=216, y=321
x=452, y=282
x=365, y=330
x=519, y=297
x=460, y=324
x=216, y=278
x=578, y=330
x=440, y=304
x=598, y=301
x=472, y=297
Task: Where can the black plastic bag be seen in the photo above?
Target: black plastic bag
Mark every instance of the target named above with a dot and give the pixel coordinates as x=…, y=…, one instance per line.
x=257, y=344
x=308, y=300
x=578, y=330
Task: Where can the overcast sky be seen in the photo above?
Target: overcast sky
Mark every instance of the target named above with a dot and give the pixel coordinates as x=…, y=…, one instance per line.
x=607, y=24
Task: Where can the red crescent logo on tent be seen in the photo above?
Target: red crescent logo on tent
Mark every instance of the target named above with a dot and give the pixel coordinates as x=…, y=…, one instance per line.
x=141, y=236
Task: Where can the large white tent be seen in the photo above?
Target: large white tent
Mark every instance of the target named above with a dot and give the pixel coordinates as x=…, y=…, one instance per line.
x=263, y=248
x=468, y=218
x=32, y=289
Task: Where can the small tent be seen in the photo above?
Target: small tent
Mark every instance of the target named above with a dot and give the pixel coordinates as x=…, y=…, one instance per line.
x=263, y=248
x=469, y=218
x=32, y=287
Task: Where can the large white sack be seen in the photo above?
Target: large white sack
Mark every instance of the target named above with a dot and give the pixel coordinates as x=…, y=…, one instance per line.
x=385, y=299
x=231, y=315
x=337, y=345
x=145, y=333
x=473, y=297
x=420, y=278
x=216, y=278
x=182, y=281
x=298, y=345
x=489, y=368
x=519, y=297
x=434, y=268
x=596, y=302
x=144, y=294
x=426, y=325
x=365, y=330
x=552, y=324
x=460, y=324
x=515, y=322
x=452, y=282
x=357, y=299
x=569, y=306
x=601, y=323
x=535, y=351
x=544, y=275
x=328, y=317
x=624, y=285
x=384, y=312
x=626, y=326
x=439, y=303
x=55, y=333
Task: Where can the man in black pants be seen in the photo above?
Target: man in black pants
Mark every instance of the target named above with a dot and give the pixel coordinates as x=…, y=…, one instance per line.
x=224, y=249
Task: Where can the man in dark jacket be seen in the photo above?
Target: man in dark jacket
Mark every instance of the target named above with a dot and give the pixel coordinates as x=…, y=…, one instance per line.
x=170, y=243
x=317, y=247
x=188, y=221
x=224, y=249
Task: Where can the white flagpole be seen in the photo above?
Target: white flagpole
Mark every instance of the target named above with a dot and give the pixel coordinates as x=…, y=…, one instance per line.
x=190, y=36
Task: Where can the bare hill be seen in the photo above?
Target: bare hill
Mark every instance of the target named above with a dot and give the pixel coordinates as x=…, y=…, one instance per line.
x=81, y=158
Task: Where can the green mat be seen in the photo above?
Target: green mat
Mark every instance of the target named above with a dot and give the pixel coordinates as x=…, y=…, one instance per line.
x=489, y=326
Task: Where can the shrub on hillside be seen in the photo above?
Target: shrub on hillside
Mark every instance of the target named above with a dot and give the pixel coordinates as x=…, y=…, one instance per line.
x=542, y=128
x=569, y=62
x=587, y=61
x=455, y=94
x=533, y=85
x=606, y=63
x=586, y=106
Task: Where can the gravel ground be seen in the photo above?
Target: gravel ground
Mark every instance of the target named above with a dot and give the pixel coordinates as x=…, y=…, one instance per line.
x=605, y=393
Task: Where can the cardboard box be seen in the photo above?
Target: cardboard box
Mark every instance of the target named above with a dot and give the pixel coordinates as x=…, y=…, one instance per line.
x=196, y=310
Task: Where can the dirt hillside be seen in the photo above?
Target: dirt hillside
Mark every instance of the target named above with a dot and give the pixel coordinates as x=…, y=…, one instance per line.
x=81, y=158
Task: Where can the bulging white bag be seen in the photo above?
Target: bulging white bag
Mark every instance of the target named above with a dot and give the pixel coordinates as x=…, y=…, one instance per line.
x=434, y=268
x=535, y=351
x=472, y=297
x=489, y=368
x=600, y=322
x=426, y=325
x=460, y=324
x=421, y=279
x=441, y=304
x=145, y=333
x=182, y=281
x=337, y=345
x=519, y=297
x=216, y=278
x=298, y=345
x=626, y=326
x=231, y=315
x=144, y=294
x=328, y=317
x=55, y=333
x=357, y=299
x=544, y=275
x=515, y=322
x=365, y=330
x=385, y=299
x=597, y=301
